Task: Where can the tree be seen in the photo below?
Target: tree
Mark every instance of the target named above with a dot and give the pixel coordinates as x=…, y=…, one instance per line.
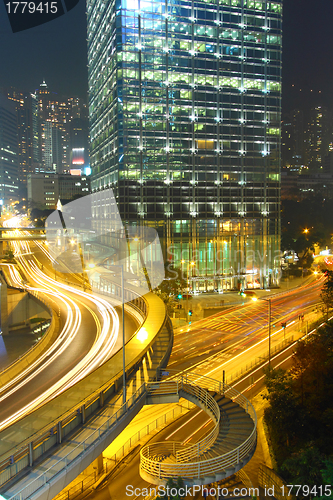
x=327, y=475
x=283, y=415
x=300, y=411
x=172, y=284
x=304, y=468
x=9, y=255
x=327, y=293
x=173, y=487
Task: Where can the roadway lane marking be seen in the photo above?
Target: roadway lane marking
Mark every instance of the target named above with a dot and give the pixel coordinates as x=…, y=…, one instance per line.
x=183, y=425
x=197, y=430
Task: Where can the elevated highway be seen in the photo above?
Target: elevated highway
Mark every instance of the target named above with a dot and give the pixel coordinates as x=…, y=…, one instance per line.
x=25, y=444
x=85, y=334
x=45, y=450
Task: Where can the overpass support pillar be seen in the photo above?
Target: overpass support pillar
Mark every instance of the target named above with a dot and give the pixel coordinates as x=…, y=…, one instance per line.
x=101, y=399
x=59, y=432
x=95, y=467
x=31, y=454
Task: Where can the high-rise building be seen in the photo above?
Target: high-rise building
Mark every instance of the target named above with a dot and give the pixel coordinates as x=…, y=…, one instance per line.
x=185, y=126
x=79, y=144
x=52, y=147
x=8, y=152
x=56, y=114
x=45, y=189
x=293, y=141
x=27, y=129
x=319, y=137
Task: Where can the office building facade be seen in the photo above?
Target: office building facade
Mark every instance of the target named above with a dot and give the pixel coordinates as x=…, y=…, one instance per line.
x=9, y=163
x=56, y=115
x=319, y=137
x=45, y=189
x=185, y=126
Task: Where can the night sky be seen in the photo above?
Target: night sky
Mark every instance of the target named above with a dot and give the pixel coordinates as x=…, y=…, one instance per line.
x=56, y=52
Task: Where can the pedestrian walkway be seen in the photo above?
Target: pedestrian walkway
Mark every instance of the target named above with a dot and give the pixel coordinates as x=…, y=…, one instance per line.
x=262, y=454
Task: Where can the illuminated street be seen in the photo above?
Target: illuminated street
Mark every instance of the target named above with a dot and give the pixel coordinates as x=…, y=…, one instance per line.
x=234, y=331
x=89, y=327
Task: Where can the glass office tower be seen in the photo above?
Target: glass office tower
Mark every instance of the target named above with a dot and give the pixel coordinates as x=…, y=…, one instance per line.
x=185, y=103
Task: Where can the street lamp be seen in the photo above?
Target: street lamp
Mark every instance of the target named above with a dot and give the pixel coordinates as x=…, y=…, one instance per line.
x=123, y=320
x=269, y=300
x=188, y=284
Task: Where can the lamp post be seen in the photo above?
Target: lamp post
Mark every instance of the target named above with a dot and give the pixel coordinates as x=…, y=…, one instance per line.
x=269, y=327
x=269, y=331
x=188, y=284
x=123, y=320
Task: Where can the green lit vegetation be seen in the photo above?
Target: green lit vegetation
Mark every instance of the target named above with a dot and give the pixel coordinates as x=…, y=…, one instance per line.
x=300, y=413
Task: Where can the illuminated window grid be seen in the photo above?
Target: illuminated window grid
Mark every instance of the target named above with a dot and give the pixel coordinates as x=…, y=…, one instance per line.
x=174, y=74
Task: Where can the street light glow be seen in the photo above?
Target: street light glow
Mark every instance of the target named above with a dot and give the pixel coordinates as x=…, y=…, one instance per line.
x=142, y=335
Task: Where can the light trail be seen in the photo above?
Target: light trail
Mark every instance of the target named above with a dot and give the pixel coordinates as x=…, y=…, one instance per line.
x=107, y=327
x=183, y=425
x=205, y=424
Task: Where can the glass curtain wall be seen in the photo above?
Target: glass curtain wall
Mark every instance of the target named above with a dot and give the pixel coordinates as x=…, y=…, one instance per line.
x=185, y=112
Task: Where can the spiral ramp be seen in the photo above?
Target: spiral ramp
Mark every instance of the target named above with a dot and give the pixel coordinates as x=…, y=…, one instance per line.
x=222, y=452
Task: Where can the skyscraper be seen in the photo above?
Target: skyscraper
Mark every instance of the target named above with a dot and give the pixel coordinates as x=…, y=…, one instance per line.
x=293, y=144
x=8, y=151
x=55, y=117
x=185, y=105
x=320, y=136
x=27, y=128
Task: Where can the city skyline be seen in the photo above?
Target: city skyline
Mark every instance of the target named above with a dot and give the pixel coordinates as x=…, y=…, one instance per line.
x=57, y=52
x=183, y=214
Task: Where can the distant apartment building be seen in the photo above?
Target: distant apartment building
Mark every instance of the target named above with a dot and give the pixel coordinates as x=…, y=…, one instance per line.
x=56, y=115
x=49, y=128
x=319, y=137
x=8, y=152
x=27, y=130
x=45, y=189
x=293, y=142
x=299, y=186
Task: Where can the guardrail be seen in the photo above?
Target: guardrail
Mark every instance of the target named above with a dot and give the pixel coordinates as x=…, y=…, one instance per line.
x=146, y=389
x=213, y=409
x=19, y=457
x=135, y=302
x=110, y=463
x=268, y=478
x=207, y=467
x=186, y=453
x=75, y=453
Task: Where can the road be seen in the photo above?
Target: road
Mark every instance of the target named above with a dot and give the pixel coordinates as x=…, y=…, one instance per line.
x=88, y=336
x=188, y=429
x=240, y=332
